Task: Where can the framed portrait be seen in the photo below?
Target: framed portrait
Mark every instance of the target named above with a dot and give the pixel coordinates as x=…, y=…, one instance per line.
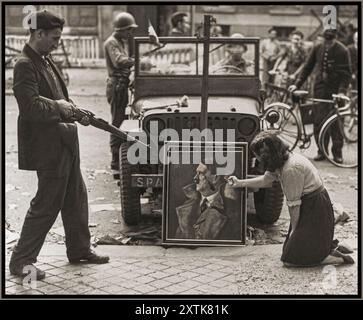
x=199, y=206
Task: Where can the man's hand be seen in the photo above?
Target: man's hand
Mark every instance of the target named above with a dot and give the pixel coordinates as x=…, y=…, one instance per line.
x=84, y=121
x=130, y=62
x=292, y=88
x=292, y=77
x=66, y=109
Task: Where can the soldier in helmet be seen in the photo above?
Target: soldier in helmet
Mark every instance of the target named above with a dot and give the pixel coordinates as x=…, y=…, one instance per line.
x=119, y=63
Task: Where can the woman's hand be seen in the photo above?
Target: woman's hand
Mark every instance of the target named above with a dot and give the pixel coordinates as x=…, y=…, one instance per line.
x=234, y=182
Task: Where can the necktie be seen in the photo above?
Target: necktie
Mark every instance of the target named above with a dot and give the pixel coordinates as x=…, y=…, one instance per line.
x=203, y=205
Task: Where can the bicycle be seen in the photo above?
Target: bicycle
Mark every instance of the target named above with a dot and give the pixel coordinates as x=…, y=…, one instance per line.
x=275, y=93
x=293, y=119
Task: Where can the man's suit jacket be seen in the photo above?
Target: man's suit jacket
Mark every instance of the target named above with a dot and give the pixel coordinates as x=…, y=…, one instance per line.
x=220, y=221
x=42, y=133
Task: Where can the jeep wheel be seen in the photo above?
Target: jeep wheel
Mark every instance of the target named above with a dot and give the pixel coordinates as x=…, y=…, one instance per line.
x=268, y=203
x=130, y=196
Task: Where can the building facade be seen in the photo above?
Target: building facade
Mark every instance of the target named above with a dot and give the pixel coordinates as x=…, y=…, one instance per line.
x=87, y=26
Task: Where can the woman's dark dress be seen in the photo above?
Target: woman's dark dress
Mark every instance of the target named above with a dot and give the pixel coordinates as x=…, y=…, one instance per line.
x=312, y=240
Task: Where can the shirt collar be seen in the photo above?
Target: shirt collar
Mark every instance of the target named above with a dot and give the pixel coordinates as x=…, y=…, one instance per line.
x=210, y=198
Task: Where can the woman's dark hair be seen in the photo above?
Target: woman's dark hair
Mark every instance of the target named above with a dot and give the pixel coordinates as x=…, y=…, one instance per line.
x=273, y=151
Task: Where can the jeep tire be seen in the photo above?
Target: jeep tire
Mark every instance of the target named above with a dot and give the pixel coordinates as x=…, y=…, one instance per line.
x=268, y=203
x=129, y=196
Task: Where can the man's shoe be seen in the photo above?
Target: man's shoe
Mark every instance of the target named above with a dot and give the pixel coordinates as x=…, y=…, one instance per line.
x=24, y=270
x=319, y=157
x=92, y=257
x=338, y=160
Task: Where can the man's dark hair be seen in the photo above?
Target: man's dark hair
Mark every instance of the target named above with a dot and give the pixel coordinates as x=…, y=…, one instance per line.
x=273, y=151
x=177, y=17
x=272, y=29
x=298, y=33
x=44, y=20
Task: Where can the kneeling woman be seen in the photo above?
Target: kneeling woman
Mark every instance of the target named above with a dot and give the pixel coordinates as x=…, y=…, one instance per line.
x=310, y=238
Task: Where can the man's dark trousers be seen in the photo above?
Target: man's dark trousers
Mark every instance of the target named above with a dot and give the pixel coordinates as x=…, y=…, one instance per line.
x=320, y=113
x=62, y=190
x=117, y=97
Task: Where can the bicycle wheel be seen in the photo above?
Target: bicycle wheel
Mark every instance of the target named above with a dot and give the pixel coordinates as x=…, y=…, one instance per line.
x=287, y=124
x=345, y=129
x=350, y=127
x=354, y=105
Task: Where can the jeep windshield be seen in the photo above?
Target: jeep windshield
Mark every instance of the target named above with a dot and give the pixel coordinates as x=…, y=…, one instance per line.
x=228, y=57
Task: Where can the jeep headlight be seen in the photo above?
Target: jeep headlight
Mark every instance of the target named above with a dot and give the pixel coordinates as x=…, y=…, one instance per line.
x=272, y=117
x=247, y=126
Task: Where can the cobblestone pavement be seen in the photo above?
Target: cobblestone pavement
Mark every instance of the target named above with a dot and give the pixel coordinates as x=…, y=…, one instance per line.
x=135, y=270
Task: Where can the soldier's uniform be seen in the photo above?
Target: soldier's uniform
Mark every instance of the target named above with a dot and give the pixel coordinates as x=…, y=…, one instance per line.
x=118, y=67
x=118, y=50
x=332, y=77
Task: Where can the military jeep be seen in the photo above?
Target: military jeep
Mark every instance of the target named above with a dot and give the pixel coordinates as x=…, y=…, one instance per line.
x=173, y=69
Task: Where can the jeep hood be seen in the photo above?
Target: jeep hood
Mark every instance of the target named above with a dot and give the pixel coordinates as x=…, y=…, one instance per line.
x=215, y=105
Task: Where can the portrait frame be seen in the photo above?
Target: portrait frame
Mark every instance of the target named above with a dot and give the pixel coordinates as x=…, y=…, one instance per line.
x=227, y=215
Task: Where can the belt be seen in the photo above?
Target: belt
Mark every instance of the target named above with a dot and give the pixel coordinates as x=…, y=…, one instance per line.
x=313, y=193
x=118, y=78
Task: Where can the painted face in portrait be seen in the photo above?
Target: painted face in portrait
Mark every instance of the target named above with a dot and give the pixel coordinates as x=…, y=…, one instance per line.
x=203, y=185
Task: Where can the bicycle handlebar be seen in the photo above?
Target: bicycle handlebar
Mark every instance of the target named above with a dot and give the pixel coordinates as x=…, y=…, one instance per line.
x=336, y=97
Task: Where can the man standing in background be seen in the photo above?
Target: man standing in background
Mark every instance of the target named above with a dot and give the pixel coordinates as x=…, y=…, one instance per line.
x=353, y=54
x=119, y=63
x=181, y=25
x=270, y=49
x=332, y=63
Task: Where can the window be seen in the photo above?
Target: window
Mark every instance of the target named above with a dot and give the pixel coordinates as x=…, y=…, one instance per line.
x=286, y=10
x=284, y=32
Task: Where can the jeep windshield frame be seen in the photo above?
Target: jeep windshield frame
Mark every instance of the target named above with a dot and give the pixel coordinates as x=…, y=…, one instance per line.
x=187, y=82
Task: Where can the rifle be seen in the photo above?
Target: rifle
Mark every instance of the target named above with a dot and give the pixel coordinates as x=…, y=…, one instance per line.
x=102, y=124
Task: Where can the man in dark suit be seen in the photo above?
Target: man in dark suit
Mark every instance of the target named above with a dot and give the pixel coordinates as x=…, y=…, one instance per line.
x=48, y=144
x=331, y=60
x=211, y=209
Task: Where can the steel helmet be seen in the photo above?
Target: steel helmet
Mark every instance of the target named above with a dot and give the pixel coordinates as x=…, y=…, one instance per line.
x=124, y=21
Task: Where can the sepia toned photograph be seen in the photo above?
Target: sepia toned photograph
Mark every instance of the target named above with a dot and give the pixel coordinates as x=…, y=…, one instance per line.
x=181, y=150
